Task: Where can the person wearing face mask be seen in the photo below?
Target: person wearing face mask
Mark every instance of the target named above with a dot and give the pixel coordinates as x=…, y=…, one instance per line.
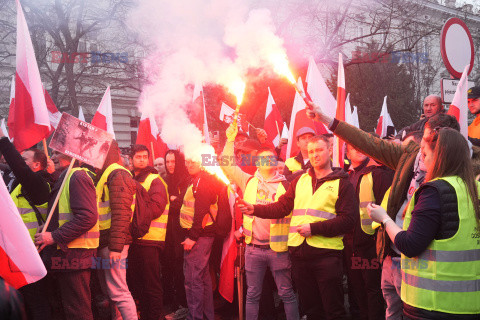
x=197, y=216
x=266, y=239
x=440, y=262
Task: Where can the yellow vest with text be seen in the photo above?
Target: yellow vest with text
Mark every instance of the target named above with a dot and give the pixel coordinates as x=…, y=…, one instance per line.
x=88, y=240
x=158, y=226
x=293, y=165
x=26, y=211
x=103, y=197
x=446, y=276
x=279, y=228
x=187, y=211
x=366, y=197
x=310, y=207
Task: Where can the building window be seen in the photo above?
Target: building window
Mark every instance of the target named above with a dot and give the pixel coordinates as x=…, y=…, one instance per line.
x=134, y=122
x=133, y=136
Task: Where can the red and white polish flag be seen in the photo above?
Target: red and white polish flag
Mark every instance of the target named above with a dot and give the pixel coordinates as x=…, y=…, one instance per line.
x=20, y=263
x=273, y=120
x=198, y=116
x=226, y=282
x=147, y=135
x=338, y=149
x=384, y=121
x=459, y=106
x=318, y=91
x=298, y=120
x=28, y=118
x=103, y=118
x=81, y=116
x=53, y=113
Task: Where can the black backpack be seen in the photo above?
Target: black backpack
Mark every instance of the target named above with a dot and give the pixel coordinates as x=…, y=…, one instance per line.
x=142, y=216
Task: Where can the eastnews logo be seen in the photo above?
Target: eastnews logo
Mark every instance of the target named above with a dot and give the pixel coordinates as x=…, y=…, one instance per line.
x=96, y=263
x=245, y=160
x=93, y=57
x=393, y=57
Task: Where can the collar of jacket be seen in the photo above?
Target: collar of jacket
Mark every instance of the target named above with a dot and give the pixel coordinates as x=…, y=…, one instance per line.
x=143, y=174
x=337, y=173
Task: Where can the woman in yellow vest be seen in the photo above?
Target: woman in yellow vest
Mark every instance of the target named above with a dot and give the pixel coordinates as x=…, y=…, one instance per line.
x=440, y=242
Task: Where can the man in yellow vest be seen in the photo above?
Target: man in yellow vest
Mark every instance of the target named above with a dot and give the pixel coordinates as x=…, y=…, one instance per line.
x=143, y=274
x=266, y=239
x=115, y=196
x=474, y=107
x=300, y=162
x=363, y=269
x=69, y=245
x=197, y=216
x=323, y=211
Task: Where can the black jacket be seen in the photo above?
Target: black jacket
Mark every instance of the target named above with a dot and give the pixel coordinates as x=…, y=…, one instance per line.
x=206, y=189
x=158, y=201
x=289, y=175
x=364, y=245
x=83, y=203
x=35, y=185
x=346, y=209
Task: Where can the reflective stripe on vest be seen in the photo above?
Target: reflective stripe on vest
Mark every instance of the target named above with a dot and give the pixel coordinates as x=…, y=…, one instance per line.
x=293, y=165
x=310, y=207
x=446, y=276
x=26, y=211
x=88, y=240
x=187, y=211
x=366, y=197
x=158, y=226
x=278, y=227
x=103, y=197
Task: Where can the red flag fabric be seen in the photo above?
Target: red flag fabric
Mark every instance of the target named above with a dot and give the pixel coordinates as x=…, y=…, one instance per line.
x=459, y=106
x=198, y=116
x=338, y=154
x=384, y=121
x=273, y=121
x=298, y=120
x=53, y=114
x=28, y=120
x=20, y=263
x=103, y=118
x=226, y=283
x=162, y=147
x=147, y=135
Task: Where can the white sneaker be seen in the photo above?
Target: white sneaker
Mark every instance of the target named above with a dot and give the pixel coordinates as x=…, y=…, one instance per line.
x=181, y=313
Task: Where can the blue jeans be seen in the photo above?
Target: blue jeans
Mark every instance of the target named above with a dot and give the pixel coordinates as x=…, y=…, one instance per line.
x=198, y=283
x=256, y=262
x=391, y=284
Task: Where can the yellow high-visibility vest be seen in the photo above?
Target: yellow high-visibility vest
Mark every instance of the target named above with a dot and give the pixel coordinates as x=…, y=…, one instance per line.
x=158, y=226
x=187, y=211
x=26, y=211
x=88, y=240
x=279, y=228
x=293, y=165
x=446, y=276
x=366, y=197
x=312, y=207
x=103, y=197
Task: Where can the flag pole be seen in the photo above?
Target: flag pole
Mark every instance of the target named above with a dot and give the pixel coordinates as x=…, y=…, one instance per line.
x=45, y=149
x=153, y=152
x=47, y=222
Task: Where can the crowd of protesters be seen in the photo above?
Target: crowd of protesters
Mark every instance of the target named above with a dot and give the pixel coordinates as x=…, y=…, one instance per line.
x=391, y=235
